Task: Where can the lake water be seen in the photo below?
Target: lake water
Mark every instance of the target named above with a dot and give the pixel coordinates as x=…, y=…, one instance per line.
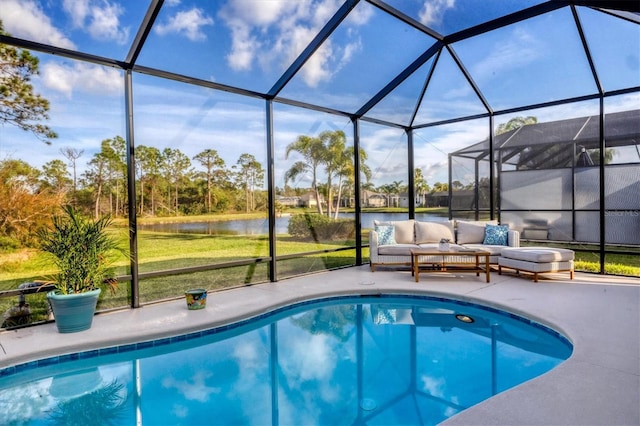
x=261, y=226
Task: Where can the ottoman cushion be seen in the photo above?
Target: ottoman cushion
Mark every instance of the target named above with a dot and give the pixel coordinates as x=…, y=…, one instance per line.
x=536, y=267
x=538, y=254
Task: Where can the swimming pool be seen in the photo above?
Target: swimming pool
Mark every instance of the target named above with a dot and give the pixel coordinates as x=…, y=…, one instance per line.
x=344, y=360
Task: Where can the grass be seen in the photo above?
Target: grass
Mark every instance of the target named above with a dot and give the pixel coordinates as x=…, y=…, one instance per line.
x=160, y=251
x=164, y=251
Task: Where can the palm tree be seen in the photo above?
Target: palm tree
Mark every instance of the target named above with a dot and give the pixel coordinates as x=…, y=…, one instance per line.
x=347, y=174
x=387, y=189
x=314, y=153
x=336, y=158
x=421, y=186
x=330, y=150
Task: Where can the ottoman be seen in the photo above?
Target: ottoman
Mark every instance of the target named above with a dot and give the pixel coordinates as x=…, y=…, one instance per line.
x=536, y=260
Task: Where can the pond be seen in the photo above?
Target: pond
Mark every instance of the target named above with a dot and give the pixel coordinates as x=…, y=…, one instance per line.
x=261, y=226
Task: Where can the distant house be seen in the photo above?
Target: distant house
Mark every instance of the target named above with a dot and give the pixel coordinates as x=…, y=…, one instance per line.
x=288, y=201
x=373, y=199
x=403, y=199
x=309, y=200
x=438, y=199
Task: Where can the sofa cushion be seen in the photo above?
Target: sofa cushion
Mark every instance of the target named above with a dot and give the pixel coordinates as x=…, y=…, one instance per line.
x=494, y=250
x=397, y=249
x=472, y=232
x=433, y=232
x=386, y=234
x=496, y=235
x=404, y=232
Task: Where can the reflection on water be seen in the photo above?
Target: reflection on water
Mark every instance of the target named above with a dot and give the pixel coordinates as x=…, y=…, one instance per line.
x=261, y=226
x=360, y=361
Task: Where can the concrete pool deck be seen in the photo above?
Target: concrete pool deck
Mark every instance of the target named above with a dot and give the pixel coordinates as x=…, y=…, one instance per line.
x=599, y=384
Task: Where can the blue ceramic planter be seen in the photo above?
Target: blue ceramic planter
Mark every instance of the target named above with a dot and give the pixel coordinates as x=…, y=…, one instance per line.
x=73, y=312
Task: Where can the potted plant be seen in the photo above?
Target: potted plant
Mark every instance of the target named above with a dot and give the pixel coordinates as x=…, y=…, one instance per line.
x=83, y=252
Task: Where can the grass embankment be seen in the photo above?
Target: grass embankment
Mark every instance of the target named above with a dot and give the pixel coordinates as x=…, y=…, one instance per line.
x=160, y=251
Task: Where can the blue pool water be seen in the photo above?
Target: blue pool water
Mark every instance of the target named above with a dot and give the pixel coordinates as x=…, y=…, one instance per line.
x=347, y=360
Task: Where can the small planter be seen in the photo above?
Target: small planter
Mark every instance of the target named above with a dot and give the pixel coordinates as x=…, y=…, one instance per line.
x=73, y=312
x=196, y=298
x=443, y=245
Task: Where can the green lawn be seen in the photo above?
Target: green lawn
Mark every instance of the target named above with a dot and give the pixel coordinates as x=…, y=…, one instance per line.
x=165, y=251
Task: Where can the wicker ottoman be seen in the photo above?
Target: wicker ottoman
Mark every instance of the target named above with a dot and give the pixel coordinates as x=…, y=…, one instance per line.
x=536, y=260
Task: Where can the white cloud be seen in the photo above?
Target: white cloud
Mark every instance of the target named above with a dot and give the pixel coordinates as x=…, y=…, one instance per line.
x=195, y=389
x=317, y=68
x=188, y=23
x=105, y=24
x=243, y=48
x=82, y=77
x=25, y=19
x=361, y=14
x=433, y=10
x=100, y=19
x=312, y=359
x=78, y=10
x=273, y=33
x=260, y=13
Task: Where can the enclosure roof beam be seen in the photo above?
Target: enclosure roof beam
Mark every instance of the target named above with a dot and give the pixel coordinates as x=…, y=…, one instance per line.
x=143, y=31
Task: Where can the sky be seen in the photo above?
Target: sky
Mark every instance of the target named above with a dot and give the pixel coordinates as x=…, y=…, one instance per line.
x=250, y=43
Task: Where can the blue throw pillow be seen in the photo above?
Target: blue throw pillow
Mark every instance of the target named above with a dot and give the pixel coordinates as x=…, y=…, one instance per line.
x=386, y=235
x=496, y=235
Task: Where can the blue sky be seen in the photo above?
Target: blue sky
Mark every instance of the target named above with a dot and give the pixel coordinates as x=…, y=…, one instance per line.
x=249, y=43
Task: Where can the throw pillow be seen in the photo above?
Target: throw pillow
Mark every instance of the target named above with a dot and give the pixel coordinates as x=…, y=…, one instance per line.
x=403, y=230
x=496, y=235
x=433, y=232
x=386, y=235
x=472, y=232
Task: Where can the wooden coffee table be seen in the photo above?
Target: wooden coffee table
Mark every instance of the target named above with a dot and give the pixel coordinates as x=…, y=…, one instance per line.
x=443, y=265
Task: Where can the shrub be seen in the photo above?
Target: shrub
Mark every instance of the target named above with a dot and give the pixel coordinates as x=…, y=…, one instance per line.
x=317, y=227
x=8, y=244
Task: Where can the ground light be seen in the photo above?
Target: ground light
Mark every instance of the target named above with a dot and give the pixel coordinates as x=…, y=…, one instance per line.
x=464, y=318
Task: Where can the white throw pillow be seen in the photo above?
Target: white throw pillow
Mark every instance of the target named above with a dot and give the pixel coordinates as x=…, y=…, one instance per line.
x=433, y=232
x=472, y=232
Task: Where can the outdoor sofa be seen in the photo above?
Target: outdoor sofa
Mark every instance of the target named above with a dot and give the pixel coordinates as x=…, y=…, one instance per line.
x=390, y=243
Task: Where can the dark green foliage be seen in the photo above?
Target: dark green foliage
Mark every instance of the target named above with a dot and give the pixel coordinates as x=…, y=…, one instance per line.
x=318, y=227
x=81, y=248
x=19, y=104
x=104, y=406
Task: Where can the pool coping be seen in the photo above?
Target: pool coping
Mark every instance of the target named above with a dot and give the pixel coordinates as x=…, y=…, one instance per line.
x=606, y=355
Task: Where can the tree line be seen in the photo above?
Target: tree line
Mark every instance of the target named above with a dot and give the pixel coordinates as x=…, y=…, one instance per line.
x=168, y=183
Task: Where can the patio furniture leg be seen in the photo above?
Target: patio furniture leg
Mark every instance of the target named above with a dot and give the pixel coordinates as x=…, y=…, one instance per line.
x=487, y=268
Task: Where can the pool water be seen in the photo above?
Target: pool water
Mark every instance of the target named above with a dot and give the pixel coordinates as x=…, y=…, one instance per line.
x=359, y=360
